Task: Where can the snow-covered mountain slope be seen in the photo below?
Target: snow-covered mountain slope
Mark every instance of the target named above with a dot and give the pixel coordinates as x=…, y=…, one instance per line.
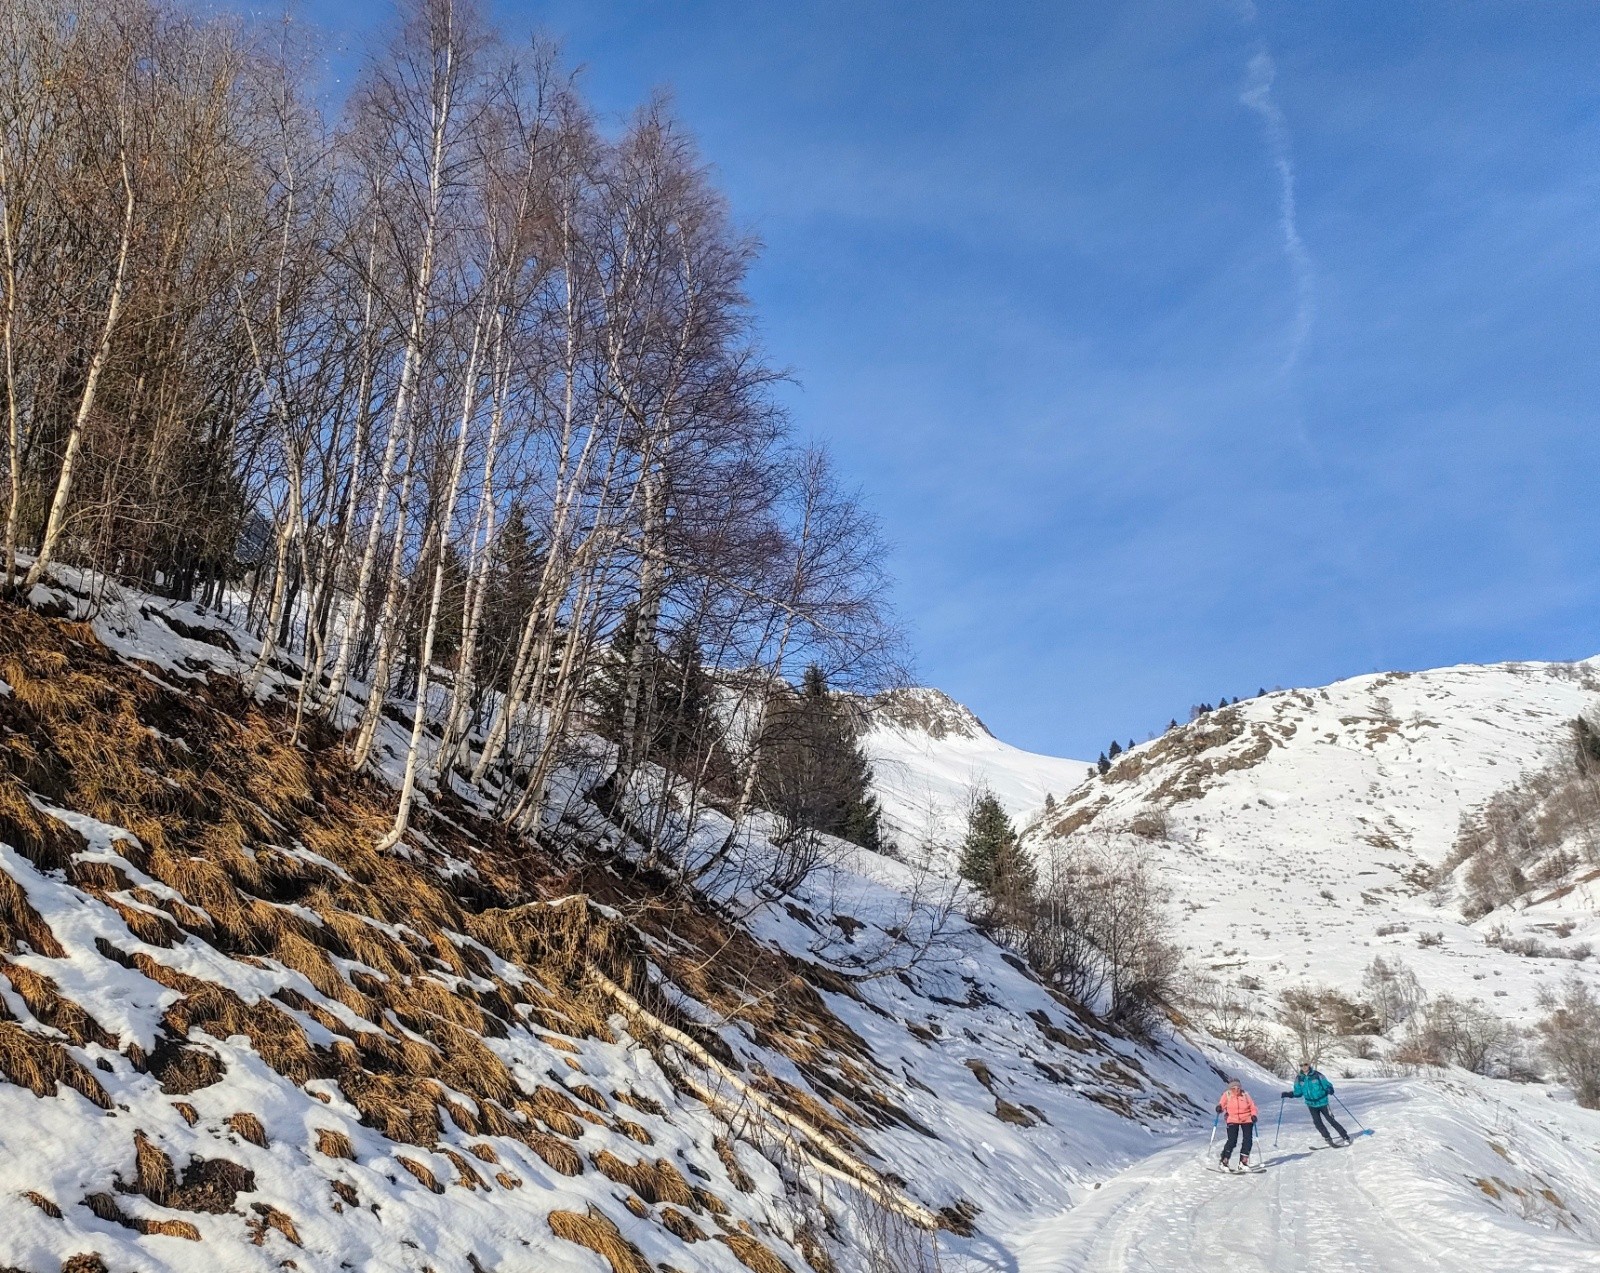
x=238, y=1037
x=930, y=755
x=1460, y=1177
x=1301, y=831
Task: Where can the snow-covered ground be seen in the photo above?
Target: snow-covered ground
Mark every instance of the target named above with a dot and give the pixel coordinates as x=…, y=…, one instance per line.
x=199, y=1085
x=1458, y=1177
x=938, y=1064
x=1300, y=831
x=930, y=756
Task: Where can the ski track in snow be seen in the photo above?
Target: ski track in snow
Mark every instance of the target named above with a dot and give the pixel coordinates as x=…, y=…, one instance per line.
x=1407, y=1199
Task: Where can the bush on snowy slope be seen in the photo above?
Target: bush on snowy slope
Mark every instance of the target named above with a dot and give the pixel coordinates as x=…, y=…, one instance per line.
x=1534, y=834
x=1569, y=1039
x=1464, y=1033
x=1101, y=931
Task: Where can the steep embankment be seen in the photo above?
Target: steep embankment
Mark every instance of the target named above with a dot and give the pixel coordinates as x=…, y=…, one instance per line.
x=1302, y=831
x=237, y=1036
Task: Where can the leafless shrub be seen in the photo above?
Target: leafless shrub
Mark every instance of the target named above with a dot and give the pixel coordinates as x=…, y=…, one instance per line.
x=1227, y=1012
x=1154, y=822
x=1101, y=931
x=1317, y=1016
x=1393, y=992
x=1569, y=1038
x=1531, y=947
x=1533, y=833
x=1449, y=1031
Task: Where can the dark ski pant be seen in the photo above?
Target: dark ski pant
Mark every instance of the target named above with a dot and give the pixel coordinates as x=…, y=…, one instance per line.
x=1249, y=1130
x=1319, y=1113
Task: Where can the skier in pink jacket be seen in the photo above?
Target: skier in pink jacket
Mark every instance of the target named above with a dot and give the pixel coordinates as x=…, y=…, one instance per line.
x=1238, y=1108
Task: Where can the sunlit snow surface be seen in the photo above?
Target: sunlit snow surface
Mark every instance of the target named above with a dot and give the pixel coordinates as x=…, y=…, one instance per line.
x=1321, y=822
x=1462, y=1174
x=1460, y=1177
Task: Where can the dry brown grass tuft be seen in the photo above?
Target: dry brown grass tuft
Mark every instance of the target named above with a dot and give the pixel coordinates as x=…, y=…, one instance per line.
x=507, y=1180
x=466, y=1175
x=644, y=1104
x=41, y=1065
x=421, y=1172
x=589, y=1096
x=153, y=1173
x=45, y=841
x=45, y=1002
x=599, y=1233
x=555, y=1153
x=84, y=1262
x=168, y=1228
x=21, y=925
x=248, y=1127
x=44, y=1204
x=730, y=1164
x=681, y=1226
x=484, y=1153
x=105, y=1207
x=659, y=1181
x=187, y=1111
x=556, y=1111
x=271, y=1218
x=634, y=1132
x=334, y=1144
x=208, y=1184
x=752, y=1254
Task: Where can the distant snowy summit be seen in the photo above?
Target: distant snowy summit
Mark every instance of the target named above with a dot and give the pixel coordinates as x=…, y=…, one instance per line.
x=924, y=710
x=1435, y=817
x=931, y=756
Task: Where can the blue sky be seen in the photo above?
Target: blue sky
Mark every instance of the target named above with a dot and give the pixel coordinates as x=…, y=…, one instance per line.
x=1182, y=348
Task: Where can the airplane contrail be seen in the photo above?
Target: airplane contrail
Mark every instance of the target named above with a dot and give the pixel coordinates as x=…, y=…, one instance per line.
x=1258, y=97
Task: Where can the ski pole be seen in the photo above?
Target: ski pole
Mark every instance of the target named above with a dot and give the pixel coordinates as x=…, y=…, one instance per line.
x=1212, y=1143
x=1279, y=1127
x=1346, y=1109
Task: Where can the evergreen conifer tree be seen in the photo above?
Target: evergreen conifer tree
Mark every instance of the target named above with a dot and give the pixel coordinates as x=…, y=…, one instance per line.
x=814, y=774
x=996, y=864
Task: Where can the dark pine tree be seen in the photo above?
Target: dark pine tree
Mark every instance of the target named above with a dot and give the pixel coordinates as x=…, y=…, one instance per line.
x=814, y=774
x=993, y=860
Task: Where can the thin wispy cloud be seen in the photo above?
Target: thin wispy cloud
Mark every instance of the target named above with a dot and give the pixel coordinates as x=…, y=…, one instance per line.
x=1258, y=97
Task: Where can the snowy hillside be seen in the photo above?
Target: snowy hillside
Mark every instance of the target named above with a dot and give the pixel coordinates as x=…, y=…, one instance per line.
x=239, y=1037
x=930, y=754
x=235, y=1032
x=1301, y=831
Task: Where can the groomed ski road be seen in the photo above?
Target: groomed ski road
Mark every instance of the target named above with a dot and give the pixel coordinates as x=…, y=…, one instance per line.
x=1404, y=1200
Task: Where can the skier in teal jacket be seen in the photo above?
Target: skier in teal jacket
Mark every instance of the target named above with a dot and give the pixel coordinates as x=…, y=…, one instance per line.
x=1313, y=1087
